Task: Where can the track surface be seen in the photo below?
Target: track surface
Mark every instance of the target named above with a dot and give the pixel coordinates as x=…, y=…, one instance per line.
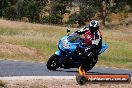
x=21, y=68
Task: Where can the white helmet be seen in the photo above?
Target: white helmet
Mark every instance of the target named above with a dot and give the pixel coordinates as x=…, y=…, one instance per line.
x=93, y=26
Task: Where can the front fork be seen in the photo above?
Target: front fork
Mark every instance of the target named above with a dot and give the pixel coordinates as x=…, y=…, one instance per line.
x=61, y=55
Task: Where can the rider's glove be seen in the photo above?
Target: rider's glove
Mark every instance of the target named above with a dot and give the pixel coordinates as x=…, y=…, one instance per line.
x=79, y=32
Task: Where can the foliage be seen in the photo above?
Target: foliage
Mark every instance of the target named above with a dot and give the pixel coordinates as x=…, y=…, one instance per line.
x=16, y=9
x=53, y=19
x=88, y=9
x=58, y=9
x=53, y=11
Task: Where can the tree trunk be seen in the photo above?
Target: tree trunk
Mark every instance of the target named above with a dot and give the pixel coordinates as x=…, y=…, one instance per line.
x=104, y=6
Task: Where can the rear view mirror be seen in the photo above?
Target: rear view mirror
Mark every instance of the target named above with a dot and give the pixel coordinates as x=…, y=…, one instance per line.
x=68, y=30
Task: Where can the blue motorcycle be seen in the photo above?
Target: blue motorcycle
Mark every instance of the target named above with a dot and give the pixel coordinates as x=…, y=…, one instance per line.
x=67, y=57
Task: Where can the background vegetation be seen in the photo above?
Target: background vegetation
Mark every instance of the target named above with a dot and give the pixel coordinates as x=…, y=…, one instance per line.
x=55, y=11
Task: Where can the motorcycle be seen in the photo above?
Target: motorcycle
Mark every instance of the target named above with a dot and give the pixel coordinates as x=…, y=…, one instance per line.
x=67, y=57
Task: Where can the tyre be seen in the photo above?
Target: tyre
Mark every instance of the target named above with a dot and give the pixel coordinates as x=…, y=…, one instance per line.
x=88, y=66
x=52, y=63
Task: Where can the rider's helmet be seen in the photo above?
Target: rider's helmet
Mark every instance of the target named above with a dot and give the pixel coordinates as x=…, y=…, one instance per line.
x=93, y=26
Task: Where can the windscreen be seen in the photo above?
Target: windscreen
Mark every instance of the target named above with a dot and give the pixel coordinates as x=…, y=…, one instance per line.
x=74, y=38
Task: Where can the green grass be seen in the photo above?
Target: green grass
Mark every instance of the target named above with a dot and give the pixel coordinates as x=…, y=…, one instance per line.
x=41, y=38
x=42, y=41
x=119, y=52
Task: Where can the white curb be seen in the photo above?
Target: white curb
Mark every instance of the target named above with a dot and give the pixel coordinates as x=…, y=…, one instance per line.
x=38, y=78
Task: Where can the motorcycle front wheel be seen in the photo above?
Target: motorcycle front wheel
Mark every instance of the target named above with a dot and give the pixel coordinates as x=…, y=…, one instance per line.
x=52, y=63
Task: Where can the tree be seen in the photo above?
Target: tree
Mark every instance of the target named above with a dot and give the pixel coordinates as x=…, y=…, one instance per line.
x=16, y=9
x=3, y=6
x=34, y=10
x=114, y=6
x=58, y=9
x=31, y=9
x=88, y=9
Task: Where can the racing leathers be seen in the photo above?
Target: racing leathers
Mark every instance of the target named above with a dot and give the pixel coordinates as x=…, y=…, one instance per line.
x=92, y=41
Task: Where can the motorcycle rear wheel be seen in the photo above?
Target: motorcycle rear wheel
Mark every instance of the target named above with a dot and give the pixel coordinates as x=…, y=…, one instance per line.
x=52, y=63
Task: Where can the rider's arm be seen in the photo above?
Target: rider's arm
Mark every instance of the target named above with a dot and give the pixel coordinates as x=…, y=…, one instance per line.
x=96, y=42
x=82, y=31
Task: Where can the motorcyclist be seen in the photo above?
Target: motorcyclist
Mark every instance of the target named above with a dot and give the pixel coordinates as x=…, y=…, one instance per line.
x=92, y=39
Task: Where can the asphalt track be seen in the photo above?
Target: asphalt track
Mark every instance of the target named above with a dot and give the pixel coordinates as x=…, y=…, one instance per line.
x=21, y=68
